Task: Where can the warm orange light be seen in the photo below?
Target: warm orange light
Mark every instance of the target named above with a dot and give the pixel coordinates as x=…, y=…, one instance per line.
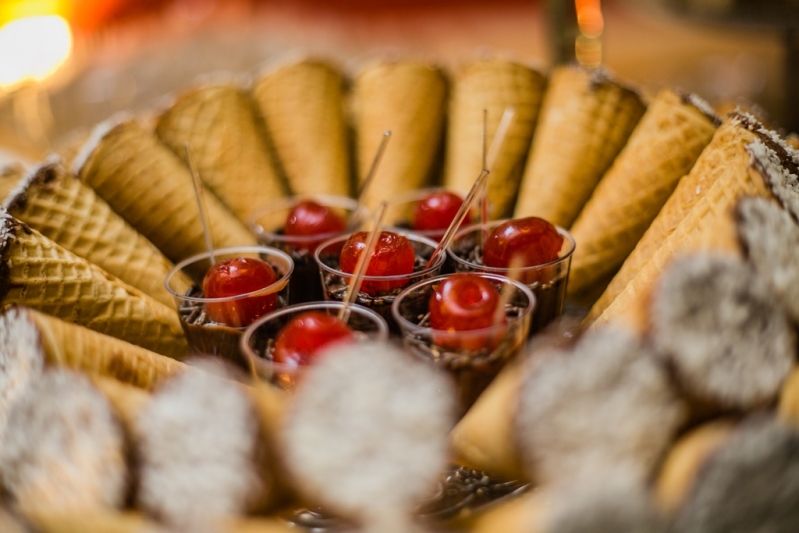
x=32, y=48
x=589, y=17
x=20, y=9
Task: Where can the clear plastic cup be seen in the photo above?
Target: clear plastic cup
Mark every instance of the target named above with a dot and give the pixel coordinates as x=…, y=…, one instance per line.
x=196, y=312
x=473, y=357
x=401, y=212
x=257, y=342
x=268, y=225
x=547, y=281
x=335, y=281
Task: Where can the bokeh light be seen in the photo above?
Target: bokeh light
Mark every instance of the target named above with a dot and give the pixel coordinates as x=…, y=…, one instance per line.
x=33, y=48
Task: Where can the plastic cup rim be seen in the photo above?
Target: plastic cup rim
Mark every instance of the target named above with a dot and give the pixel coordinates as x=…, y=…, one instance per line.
x=408, y=234
x=275, y=287
x=406, y=324
x=499, y=270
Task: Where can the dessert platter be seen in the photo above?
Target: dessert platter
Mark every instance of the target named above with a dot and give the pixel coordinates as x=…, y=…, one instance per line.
x=547, y=302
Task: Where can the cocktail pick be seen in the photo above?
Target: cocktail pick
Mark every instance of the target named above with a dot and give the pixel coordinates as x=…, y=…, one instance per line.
x=370, y=175
x=514, y=274
x=363, y=263
x=496, y=145
x=198, y=193
x=488, y=163
x=459, y=217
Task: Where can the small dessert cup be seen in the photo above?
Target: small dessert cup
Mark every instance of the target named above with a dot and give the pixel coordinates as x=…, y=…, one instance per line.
x=401, y=211
x=383, y=288
x=206, y=336
x=547, y=281
x=473, y=357
x=257, y=343
x=268, y=225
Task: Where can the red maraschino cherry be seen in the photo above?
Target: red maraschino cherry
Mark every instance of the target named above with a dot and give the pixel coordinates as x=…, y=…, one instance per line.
x=308, y=218
x=463, y=302
x=532, y=240
x=436, y=211
x=393, y=256
x=300, y=340
x=234, y=277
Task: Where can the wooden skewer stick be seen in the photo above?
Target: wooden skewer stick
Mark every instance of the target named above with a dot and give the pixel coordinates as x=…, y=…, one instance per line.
x=363, y=263
x=371, y=174
x=198, y=193
x=459, y=217
x=488, y=163
x=508, y=289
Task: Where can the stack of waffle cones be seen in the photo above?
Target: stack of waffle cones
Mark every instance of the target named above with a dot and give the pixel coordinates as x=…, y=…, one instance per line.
x=68, y=212
x=44, y=276
x=143, y=181
x=494, y=86
x=662, y=149
x=735, y=164
x=79, y=348
x=228, y=145
x=585, y=121
x=303, y=108
x=407, y=98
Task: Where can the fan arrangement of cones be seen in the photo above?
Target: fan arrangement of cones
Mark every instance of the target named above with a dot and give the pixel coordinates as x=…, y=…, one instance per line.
x=677, y=391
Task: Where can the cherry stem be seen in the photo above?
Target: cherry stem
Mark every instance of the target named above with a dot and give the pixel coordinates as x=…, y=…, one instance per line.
x=367, y=181
x=458, y=220
x=483, y=202
x=198, y=193
x=490, y=160
x=514, y=273
x=363, y=263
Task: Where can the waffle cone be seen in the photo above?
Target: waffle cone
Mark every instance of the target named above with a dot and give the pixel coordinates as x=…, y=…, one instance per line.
x=152, y=190
x=492, y=85
x=662, y=149
x=228, y=145
x=709, y=225
x=79, y=348
x=407, y=98
x=525, y=514
x=684, y=461
x=725, y=149
x=126, y=400
x=132, y=522
x=303, y=108
x=9, y=179
x=68, y=212
x=42, y=275
x=585, y=121
x=484, y=438
x=789, y=399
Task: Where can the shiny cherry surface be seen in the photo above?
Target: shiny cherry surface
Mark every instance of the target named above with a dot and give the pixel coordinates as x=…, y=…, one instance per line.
x=393, y=256
x=308, y=218
x=234, y=277
x=464, y=302
x=299, y=342
x=437, y=211
x=534, y=240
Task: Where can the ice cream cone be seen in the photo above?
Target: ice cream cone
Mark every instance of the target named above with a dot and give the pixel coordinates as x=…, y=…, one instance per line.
x=143, y=181
x=585, y=121
x=493, y=85
x=407, y=98
x=484, y=438
x=9, y=179
x=725, y=150
x=789, y=399
x=303, y=108
x=42, y=275
x=126, y=400
x=755, y=165
x=79, y=348
x=685, y=459
x=68, y=212
x=663, y=147
x=228, y=144
x=524, y=514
